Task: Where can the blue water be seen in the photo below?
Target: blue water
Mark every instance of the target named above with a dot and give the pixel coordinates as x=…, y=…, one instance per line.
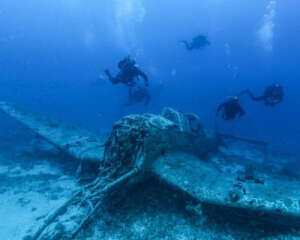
x=53, y=52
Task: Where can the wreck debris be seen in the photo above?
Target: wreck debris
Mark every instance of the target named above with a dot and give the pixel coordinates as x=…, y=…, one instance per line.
x=263, y=144
x=135, y=142
x=80, y=144
x=170, y=147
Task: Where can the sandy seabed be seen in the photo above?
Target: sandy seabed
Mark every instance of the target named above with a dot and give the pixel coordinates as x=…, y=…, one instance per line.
x=32, y=187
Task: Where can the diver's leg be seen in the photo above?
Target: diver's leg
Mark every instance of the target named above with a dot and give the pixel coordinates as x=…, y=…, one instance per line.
x=130, y=97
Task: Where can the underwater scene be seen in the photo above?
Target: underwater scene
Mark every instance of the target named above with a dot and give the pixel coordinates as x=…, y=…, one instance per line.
x=149, y=120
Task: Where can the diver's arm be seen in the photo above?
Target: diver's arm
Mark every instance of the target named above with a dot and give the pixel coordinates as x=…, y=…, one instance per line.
x=112, y=79
x=107, y=72
x=187, y=45
x=260, y=98
x=251, y=95
x=246, y=91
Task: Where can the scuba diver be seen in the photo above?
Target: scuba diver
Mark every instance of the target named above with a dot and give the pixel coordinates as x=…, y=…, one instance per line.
x=128, y=74
x=231, y=109
x=272, y=96
x=197, y=42
x=138, y=95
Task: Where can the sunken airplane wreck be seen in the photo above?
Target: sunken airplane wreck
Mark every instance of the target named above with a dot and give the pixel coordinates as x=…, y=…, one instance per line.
x=172, y=148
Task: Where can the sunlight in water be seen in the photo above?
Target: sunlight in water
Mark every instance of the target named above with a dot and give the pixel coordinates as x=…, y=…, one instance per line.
x=128, y=15
x=266, y=32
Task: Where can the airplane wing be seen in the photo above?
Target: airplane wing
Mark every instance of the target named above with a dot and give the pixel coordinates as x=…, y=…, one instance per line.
x=274, y=199
x=78, y=143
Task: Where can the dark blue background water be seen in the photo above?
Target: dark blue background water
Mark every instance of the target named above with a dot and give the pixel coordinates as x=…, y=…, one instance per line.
x=53, y=52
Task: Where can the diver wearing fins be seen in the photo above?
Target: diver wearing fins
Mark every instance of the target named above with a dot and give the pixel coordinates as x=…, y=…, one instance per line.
x=272, y=96
x=230, y=108
x=197, y=42
x=128, y=74
x=138, y=95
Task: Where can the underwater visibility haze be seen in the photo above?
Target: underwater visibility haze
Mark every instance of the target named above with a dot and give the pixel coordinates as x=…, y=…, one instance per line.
x=223, y=74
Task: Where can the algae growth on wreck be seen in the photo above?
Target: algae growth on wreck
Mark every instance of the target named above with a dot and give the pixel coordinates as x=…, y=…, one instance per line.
x=140, y=119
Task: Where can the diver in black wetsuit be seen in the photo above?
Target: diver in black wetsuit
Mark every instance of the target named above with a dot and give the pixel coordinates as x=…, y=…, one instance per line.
x=197, y=42
x=272, y=96
x=231, y=109
x=128, y=74
x=138, y=95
